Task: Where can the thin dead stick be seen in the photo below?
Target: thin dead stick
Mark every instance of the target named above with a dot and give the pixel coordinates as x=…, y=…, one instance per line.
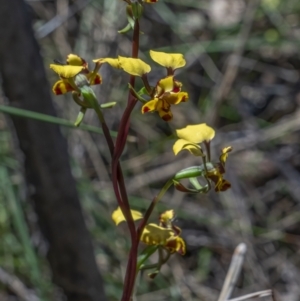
x=289, y=123
x=223, y=87
x=15, y=285
x=260, y=294
x=58, y=20
x=233, y=272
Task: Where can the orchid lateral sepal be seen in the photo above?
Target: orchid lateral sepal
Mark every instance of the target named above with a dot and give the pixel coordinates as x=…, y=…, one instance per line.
x=130, y=19
x=147, y=252
x=199, y=187
x=161, y=261
x=126, y=29
x=193, y=171
x=85, y=91
x=196, y=183
x=143, y=91
x=89, y=96
x=72, y=82
x=180, y=187
x=108, y=105
x=81, y=102
x=80, y=116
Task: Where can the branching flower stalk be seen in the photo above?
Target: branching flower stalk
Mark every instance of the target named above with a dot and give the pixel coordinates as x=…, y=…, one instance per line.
x=163, y=238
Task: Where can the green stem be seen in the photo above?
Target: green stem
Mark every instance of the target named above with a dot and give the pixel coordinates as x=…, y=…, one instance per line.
x=146, y=84
x=206, y=173
x=207, y=146
x=50, y=119
x=150, y=250
x=149, y=211
x=80, y=102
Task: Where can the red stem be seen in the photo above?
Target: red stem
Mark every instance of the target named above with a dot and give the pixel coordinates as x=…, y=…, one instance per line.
x=118, y=179
x=121, y=194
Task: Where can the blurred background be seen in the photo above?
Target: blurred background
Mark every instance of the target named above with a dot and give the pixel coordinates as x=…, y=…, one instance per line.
x=242, y=78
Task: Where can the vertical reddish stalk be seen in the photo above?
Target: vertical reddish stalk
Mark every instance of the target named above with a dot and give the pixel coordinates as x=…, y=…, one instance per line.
x=118, y=179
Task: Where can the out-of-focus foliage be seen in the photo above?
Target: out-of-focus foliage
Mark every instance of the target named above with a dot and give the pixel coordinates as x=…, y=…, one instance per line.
x=243, y=80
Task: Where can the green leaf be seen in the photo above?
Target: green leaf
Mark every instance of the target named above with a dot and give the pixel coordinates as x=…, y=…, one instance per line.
x=50, y=119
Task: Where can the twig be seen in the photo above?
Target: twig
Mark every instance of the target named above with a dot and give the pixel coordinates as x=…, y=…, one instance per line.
x=260, y=294
x=15, y=285
x=233, y=272
x=283, y=73
x=289, y=123
x=58, y=20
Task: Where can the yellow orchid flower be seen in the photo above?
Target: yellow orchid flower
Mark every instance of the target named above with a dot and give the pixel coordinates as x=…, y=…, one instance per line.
x=167, y=93
x=66, y=71
x=176, y=245
x=216, y=174
x=166, y=217
x=191, y=136
x=171, y=61
x=166, y=220
x=75, y=60
x=75, y=65
x=189, y=139
x=155, y=235
x=164, y=234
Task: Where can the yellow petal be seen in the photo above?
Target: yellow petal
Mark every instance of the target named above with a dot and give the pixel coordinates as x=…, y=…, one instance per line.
x=193, y=148
x=150, y=1
x=75, y=60
x=165, y=85
x=167, y=216
x=150, y=106
x=176, y=98
x=163, y=109
x=133, y=66
x=176, y=244
x=222, y=185
x=156, y=235
x=118, y=217
x=61, y=87
x=113, y=62
x=216, y=176
x=166, y=116
x=177, y=86
x=224, y=154
x=96, y=78
x=168, y=60
x=196, y=133
x=66, y=71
